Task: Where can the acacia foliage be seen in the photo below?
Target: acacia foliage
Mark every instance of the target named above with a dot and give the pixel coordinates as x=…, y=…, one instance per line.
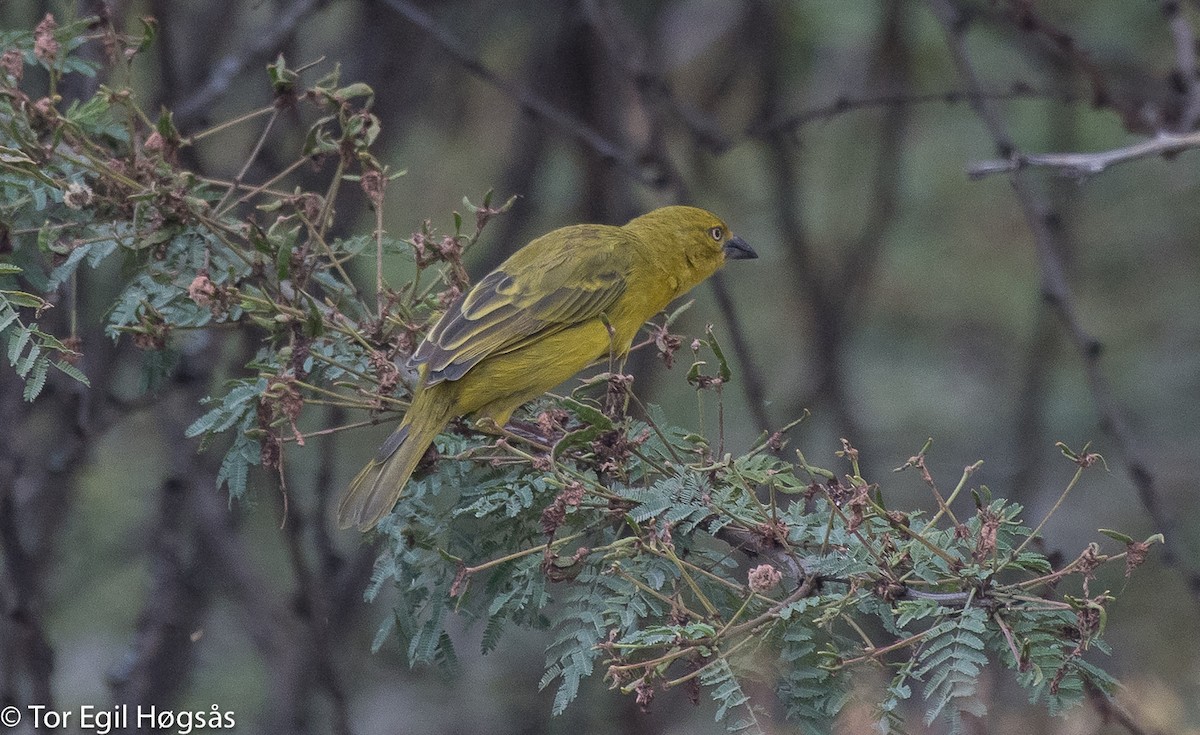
x=655, y=558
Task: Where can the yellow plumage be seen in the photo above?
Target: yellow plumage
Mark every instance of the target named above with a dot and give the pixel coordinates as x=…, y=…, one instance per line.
x=535, y=321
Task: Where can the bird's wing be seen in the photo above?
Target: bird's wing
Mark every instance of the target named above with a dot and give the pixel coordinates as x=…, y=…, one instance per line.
x=567, y=277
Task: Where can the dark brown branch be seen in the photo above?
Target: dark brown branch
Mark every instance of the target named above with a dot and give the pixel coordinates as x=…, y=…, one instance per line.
x=1112, y=711
x=1047, y=237
x=843, y=105
x=269, y=624
x=312, y=595
x=630, y=52
x=1061, y=45
x=22, y=633
x=834, y=300
x=36, y=487
x=160, y=657
x=527, y=149
x=893, y=62
x=1183, y=34
x=524, y=98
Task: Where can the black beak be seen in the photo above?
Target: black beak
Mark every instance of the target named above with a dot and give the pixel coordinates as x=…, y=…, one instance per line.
x=737, y=249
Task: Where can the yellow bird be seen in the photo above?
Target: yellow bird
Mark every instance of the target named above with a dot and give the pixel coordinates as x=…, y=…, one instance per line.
x=562, y=302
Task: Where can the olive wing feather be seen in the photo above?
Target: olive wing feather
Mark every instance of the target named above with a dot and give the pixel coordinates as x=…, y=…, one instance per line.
x=561, y=279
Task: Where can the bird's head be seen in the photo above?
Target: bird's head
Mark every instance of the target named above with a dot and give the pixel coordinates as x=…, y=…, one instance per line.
x=692, y=242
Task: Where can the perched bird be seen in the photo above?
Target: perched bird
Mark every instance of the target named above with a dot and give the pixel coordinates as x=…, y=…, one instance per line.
x=562, y=302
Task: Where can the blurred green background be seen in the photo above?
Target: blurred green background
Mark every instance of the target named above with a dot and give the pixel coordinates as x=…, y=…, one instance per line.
x=894, y=297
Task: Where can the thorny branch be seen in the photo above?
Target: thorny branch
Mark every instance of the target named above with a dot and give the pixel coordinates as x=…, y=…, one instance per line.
x=1047, y=237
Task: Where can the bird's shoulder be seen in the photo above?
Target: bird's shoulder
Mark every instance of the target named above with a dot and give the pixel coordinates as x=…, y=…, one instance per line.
x=564, y=277
x=569, y=249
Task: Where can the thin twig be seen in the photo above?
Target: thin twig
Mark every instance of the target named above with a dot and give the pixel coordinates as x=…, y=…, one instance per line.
x=1165, y=144
x=237, y=180
x=1112, y=710
x=842, y=105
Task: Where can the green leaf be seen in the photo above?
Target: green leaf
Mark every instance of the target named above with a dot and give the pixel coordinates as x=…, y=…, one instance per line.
x=72, y=371
x=25, y=364
x=723, y=371
x=595, y=424
x=283, y=79
x=17, y=343
x=21, y=298
x=16, y=157
x=149, y=32
x=7, y=316
x=1117, y=536
x=37, y=379
x=357, y=89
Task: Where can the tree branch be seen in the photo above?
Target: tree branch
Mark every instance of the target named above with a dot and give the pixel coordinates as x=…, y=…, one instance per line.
x=1047, y=236
x=1184, y=37
x=160, y=655
x=842, y=105
x=1165, y=144
x=630, y=52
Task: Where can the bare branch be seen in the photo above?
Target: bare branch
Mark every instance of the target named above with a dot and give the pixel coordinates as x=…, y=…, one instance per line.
x=843, y=105
x=1047, y=236
x=1087, y=164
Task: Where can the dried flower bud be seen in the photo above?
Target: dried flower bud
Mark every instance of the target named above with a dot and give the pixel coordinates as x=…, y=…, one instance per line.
x=373, y=184
x=645, y=695
x=201, y=290
x=449, y=247
x=45, y=45
x=74, y=345
x=764, y=578
x=77, y=196
x=553, y=516
x=1135, y=555
x=154, y=143
x=447, y=297
x=12, y=64
x=985, y=545
x=44, y=107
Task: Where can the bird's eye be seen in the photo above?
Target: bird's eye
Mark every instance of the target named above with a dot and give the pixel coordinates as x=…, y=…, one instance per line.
x=717, y=233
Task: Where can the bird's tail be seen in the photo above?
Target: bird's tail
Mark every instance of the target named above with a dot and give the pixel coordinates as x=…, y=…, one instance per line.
x=374, y=491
